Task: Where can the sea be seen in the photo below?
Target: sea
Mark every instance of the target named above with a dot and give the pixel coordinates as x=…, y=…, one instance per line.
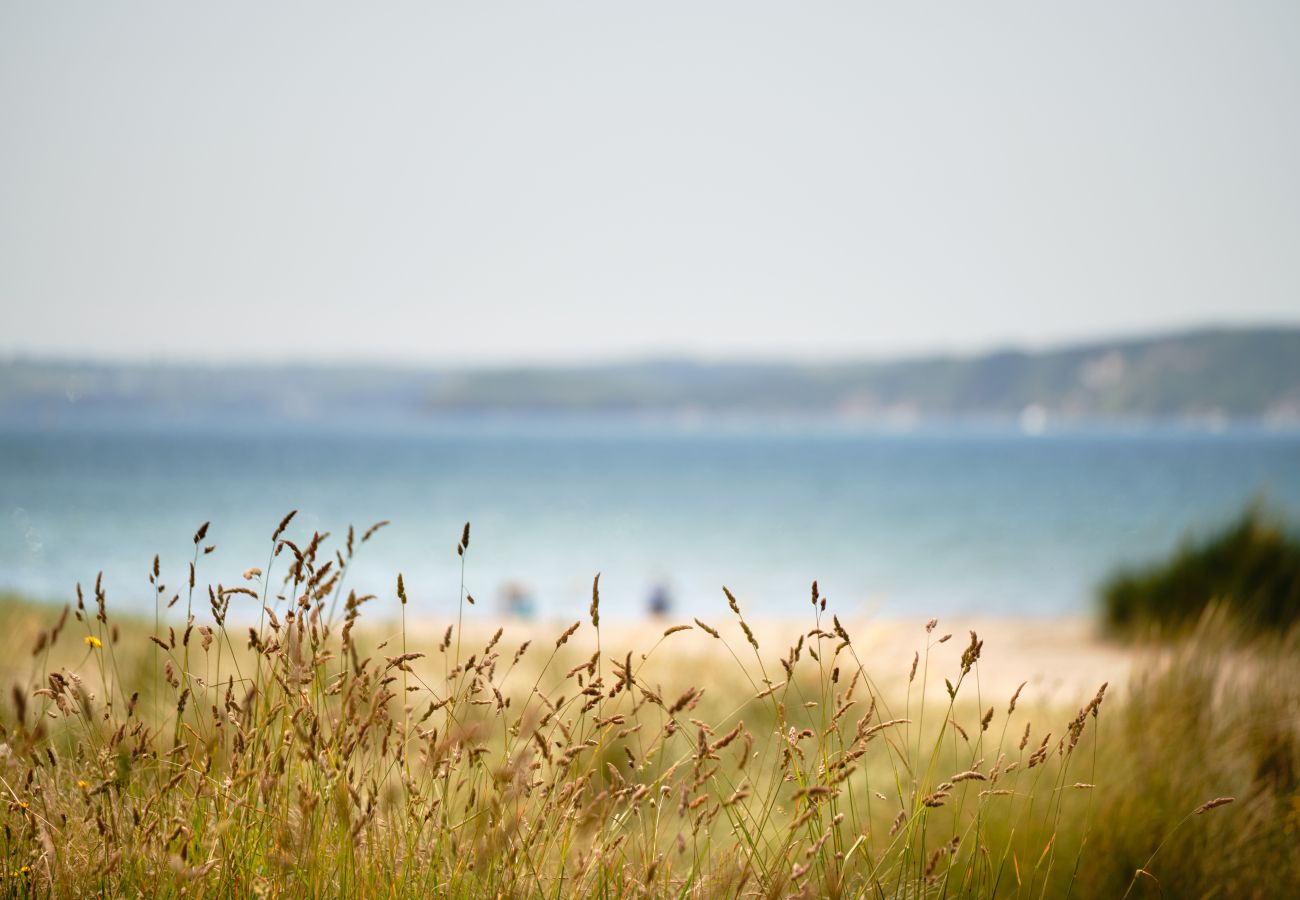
x=931, y=520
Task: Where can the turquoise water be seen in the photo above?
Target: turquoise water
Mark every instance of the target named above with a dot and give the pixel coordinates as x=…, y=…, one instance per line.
x=938, y=521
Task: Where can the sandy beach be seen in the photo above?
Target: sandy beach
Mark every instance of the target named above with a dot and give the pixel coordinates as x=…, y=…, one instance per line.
x=1061, y=660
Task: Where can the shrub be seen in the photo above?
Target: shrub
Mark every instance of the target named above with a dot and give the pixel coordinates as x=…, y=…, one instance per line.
x=1251, y=567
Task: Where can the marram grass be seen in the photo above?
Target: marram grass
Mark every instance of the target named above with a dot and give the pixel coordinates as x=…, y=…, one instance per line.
x=306, y=755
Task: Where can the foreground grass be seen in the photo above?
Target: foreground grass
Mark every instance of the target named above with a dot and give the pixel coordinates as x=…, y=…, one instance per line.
x=311, y=756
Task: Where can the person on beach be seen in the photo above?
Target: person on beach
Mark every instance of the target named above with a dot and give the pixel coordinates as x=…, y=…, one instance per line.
x=660, y=601
x=518, y=602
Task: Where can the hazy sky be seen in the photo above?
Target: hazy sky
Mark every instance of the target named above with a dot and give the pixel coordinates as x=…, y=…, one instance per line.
x=479, y=182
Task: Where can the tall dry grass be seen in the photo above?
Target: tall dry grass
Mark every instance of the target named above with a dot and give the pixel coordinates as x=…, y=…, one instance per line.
x=312, y=755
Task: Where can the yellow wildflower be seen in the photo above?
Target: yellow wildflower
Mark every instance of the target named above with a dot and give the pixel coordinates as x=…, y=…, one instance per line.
x=92, y=641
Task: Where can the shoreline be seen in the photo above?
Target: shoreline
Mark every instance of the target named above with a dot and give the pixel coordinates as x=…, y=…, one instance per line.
x=1062, y=658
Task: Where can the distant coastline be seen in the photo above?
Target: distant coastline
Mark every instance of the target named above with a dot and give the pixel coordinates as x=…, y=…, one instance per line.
x=1204, y=378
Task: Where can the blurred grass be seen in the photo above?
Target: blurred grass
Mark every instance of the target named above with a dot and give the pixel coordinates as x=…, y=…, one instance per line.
x=1250, y=568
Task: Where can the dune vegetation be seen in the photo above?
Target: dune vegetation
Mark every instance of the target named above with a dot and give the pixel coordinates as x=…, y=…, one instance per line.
x=1250, y=567
x=307, y=752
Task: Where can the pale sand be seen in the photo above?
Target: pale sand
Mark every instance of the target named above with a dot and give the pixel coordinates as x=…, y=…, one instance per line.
x=1064, y=660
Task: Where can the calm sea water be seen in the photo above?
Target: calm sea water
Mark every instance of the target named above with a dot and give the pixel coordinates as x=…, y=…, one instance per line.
x=939, y=521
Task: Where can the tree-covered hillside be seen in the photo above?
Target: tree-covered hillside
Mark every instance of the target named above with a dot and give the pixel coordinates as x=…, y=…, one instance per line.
x=1220, y=373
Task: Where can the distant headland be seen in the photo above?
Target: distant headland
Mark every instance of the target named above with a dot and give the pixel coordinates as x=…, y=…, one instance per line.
x=1212, y=374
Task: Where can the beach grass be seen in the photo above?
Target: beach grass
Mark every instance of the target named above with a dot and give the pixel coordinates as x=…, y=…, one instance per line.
x=1249, y=567
x=307, y=752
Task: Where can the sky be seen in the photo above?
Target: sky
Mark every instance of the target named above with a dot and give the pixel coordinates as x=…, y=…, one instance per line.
x=478, y=183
